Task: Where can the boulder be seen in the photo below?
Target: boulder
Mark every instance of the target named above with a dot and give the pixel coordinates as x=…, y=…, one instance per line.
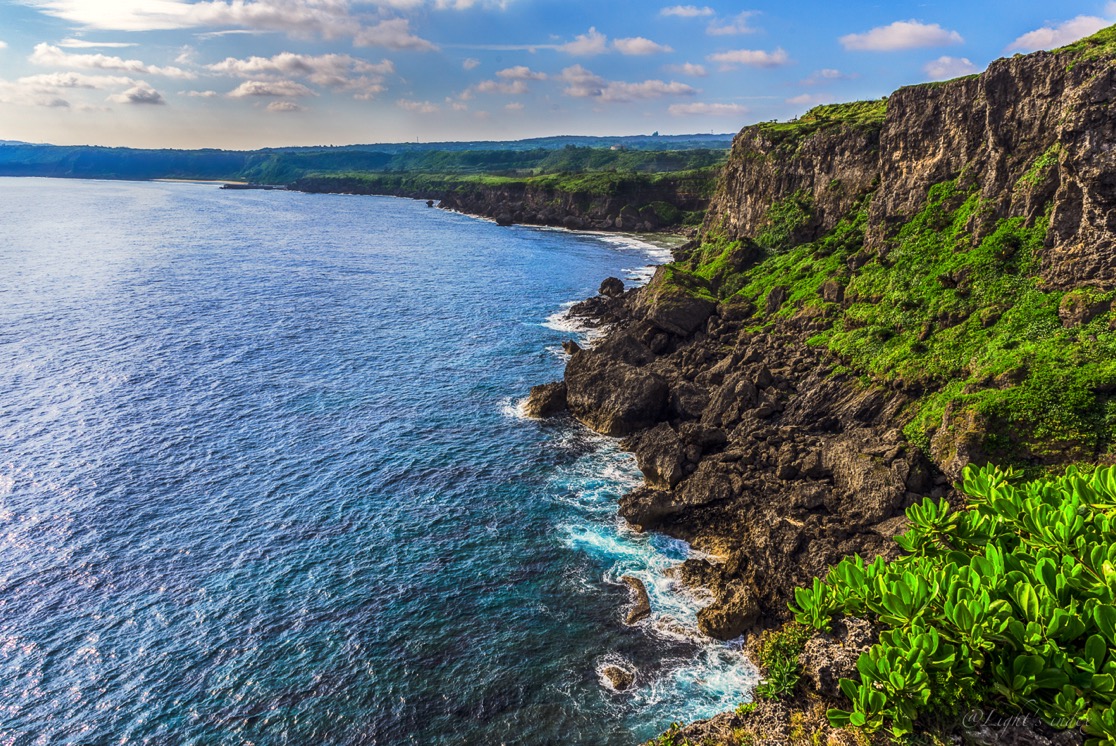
x=612, y=287
x=641, y=602
x=609, y=391
x=676, y=302
x=617, y=677
x=546, y=400
x=731, y=615
x=660, y=455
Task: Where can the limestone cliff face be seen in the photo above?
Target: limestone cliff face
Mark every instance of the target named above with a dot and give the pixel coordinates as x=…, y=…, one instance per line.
x=1030, y=132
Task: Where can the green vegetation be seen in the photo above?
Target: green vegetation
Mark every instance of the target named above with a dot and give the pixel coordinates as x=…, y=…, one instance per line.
x=1101, y=45
x=1009, y=602
x=282, y=166
x=963, y=325
x=777, y=654
x=863, y=114
x=783, y=219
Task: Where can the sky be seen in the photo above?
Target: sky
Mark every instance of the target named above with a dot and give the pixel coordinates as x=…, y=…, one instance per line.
x=245, y=74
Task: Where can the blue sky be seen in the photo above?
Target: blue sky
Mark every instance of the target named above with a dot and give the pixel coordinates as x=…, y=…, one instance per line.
x=253, y=73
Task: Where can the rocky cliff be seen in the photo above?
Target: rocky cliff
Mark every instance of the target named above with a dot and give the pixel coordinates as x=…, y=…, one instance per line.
x=882, y=293
x=605, y=201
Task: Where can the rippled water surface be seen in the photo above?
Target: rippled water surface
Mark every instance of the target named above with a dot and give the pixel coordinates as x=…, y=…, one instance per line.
x=262, y=481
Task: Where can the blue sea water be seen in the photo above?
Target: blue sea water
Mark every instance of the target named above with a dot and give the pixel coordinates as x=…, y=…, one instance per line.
x=263, y=481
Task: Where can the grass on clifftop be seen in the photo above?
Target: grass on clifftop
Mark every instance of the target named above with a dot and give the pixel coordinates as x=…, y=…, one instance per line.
x=1100, y=45
x=964, y=326
x=855, y=114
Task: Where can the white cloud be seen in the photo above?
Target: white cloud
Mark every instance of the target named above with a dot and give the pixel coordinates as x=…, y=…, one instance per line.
x=275, y=88
x=417, y=107
x=283, y=107
x=85, y=44
x=688, y=68
x=201, y=94
x=515, y=106
x=520, y=72
x=50, y=56
x=945, y=68
x=751, y=57
x=811, y=99
x=586, y=45
x=508, y=88
x=55, y=81
x=1051, y=37
x=638, y=46
x=687, y=11
x=708, y=110
x=737, y=25
x=826, y=75
x=141, y=93
x=3, y=45
x=471, y=63
x=332, y=70
x=394, y=33
x=582, y=83
x=326, y=19
x=901, y=35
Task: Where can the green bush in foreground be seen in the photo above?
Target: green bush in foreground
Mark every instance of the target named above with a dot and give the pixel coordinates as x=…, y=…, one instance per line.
x=1010, y=602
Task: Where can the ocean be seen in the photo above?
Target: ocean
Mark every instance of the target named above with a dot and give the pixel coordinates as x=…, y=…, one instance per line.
x=264, y=480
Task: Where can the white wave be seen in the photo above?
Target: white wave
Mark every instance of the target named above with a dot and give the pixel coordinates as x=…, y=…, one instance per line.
x=515, y=408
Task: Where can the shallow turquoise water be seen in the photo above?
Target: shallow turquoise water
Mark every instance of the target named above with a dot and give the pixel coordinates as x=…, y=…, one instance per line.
x=262, y=481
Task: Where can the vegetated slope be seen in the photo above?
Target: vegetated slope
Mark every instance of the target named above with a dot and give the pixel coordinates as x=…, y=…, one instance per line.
x=883, y=294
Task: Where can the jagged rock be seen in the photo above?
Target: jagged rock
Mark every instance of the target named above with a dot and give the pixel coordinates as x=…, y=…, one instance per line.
x=609, y=392
x=546, y=400
x=429, y=203
x=731, y=615
x=672, y=306
x=959, y=441
x=830, y=657
x=570, y=347
x=832, y=291
x=619, y=678
x=504, y=219
x=1079, y=308
x=659, y=454
x=641, y=601
x=775, y=299
x=613, y=287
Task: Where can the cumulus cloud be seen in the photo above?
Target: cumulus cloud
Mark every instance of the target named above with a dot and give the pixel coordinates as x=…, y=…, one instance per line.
x=471, y=63
x=688, y=68
x=270, y=88
x=582, y=83
x=508, y=88
x=901, y=35
x=638, y=46
x=283, y=107
x=737, y=25
x=338, y=71
x=520, y=72
x=394, y=33
x=945, y=68
x=141, y=94
x=708, y=110
x=1051, y=37
x=417, y=107
x=51, y=56
x=586, y=45
x=201, y=94
x=687, y=11
x=750, y=57
x=55, y=81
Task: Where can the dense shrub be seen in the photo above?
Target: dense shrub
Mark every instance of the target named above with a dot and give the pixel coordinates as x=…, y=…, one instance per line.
x=1009, y=602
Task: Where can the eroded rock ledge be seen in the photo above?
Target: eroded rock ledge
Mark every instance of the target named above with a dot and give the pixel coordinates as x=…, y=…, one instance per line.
x=754, y=449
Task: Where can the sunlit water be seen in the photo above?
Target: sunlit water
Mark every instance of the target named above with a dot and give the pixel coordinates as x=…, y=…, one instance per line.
x=262, y=480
